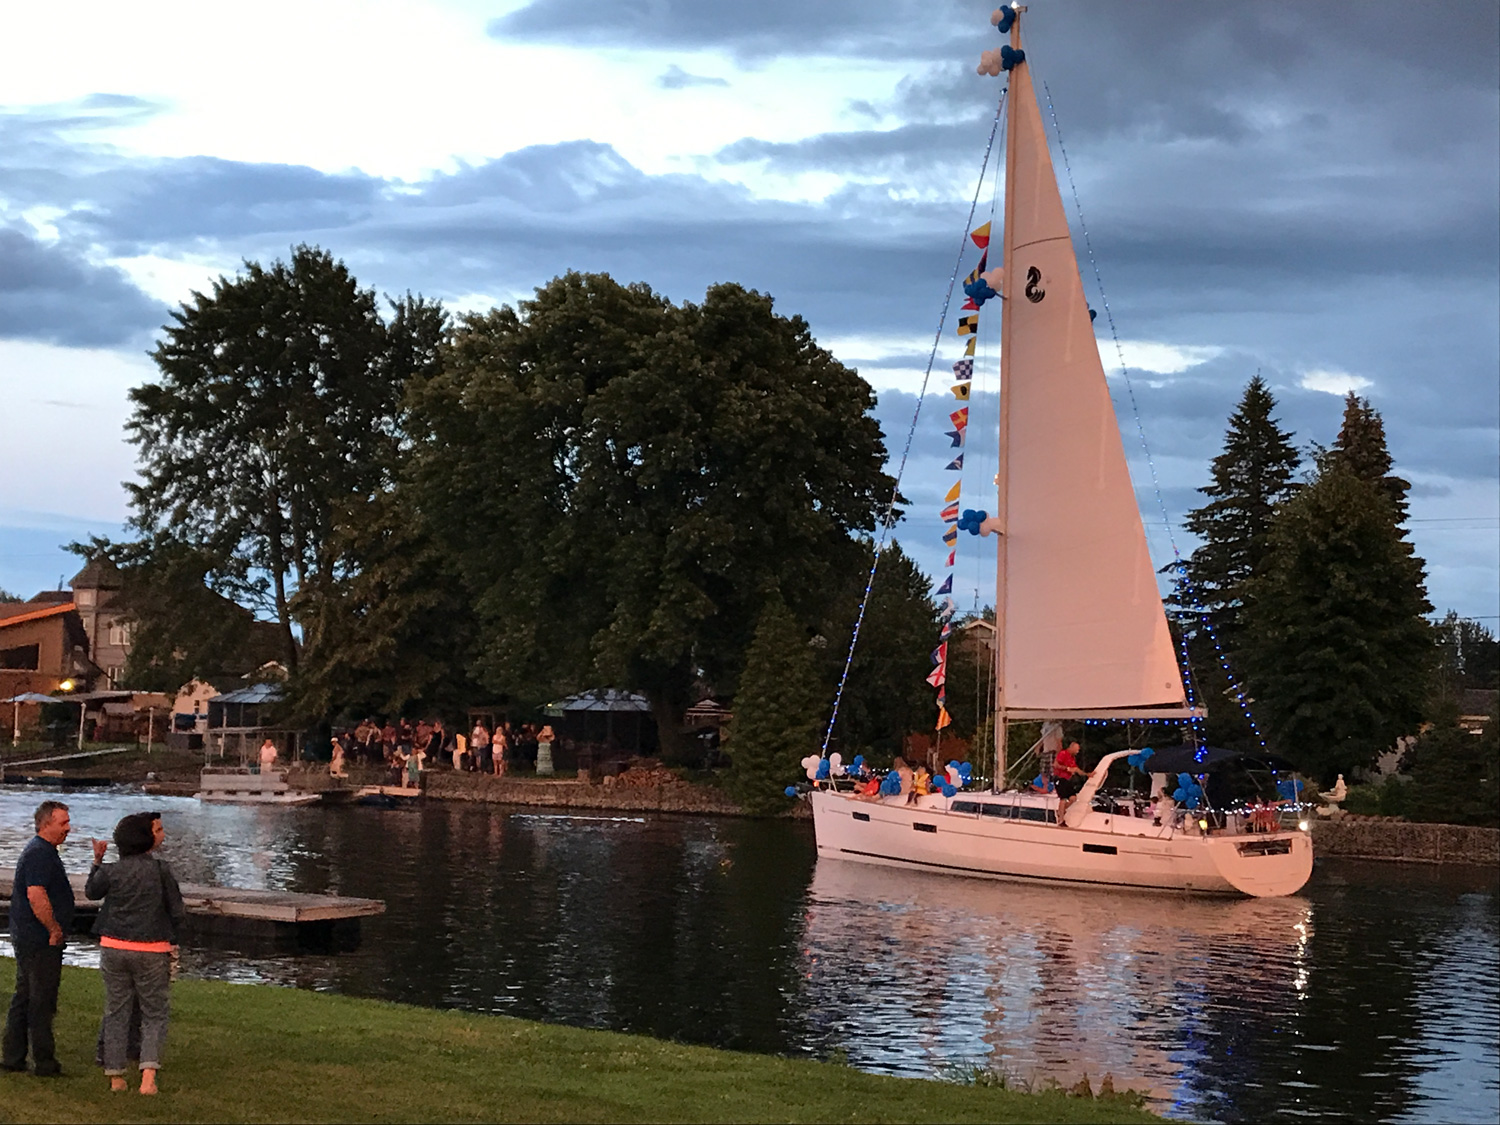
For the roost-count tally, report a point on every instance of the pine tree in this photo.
(1361, 448)
(1455, 775)
(776, 711)
(1251, 477)
(1336, 652)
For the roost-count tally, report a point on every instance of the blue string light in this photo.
(1184, 585)
(888, 521)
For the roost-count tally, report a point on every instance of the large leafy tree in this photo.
(1336, 650)
(620, 480)
(279, 399)
(1255, 472)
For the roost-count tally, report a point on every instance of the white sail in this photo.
(1083, 624)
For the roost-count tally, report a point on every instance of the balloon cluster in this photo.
(891, 785)
(857, 767)
(1188, 791)
(1289, 790)
(1138, 759)
(1003, 18)
(955, 777)
(979, 291)
(971, 519)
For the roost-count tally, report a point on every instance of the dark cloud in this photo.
(675, 78)
(52, 295)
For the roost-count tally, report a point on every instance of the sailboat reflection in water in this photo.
(1080, 628)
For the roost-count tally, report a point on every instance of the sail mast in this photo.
(1002, 474)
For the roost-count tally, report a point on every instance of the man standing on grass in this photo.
(41, 912)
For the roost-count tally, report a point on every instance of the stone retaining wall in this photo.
(675, 796)
(1375, 837)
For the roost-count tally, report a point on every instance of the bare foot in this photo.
(148, 1082)
(117, 1083)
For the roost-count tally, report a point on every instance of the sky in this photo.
(1305, 189)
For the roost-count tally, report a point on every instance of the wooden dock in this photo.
(239, 909)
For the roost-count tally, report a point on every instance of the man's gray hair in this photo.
(45, 810)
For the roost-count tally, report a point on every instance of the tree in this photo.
(1361, 448)
(1336, 652)
(1468, 656)
(1455, 775)
(886, 695)
(620, 480)
(180, 627)
(7, 596)
(279, 398)
(777, 711)
(386, 621)
(1254, 474)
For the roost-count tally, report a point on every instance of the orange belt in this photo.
(136, 946)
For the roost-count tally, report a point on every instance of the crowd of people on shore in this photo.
(406, 748)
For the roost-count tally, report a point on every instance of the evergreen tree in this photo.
(1361, 448)
(1254, 474)
(1468, 656)
(1455, 775)
(1336, 652)
(777, 711)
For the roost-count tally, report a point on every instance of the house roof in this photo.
(51, 597)
(604, 699)
(97, 574)
(1477, 702)
(255, 693)
(14, 613)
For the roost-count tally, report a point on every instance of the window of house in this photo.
(84, 597)
(24, 657)
(119, 634)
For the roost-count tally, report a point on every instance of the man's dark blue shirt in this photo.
(39, 866)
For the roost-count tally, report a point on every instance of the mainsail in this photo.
(1081, 618)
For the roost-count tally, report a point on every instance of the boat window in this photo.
(1048, 816)
(1102, 849)
(861, 816)
(997, 810)
(925, 827)
(964, 806)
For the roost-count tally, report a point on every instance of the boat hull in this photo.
(931, 838)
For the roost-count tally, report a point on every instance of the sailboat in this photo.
(1080, 630)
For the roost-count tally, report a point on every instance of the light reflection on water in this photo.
(1372, 996)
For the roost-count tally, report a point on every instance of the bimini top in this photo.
(1188, 759)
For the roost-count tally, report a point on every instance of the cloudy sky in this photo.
(1305, 188)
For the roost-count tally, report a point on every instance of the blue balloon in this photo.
(823, 768)
(790, 790)
(948, 790)
(1007, 17)
(891, 785)
(965, 770)
(1010, 57)
(859, 760)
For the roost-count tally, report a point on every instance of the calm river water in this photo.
(1370, 997)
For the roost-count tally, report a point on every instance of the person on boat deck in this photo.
(1070, 778)
(921, 782)
(267, 755)
(908, 779)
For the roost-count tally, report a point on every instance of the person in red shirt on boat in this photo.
(1069, 776)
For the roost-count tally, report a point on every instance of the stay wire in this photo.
(887, 521)
(1178, 564)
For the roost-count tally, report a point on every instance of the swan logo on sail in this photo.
(1034, 290)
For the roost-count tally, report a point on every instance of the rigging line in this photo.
(887, 522)
(1179, 565)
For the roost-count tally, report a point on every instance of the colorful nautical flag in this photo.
(943, 694)
(945, 589)
(950, 536)
(984, 264)
(946, 608)
(957, 437)
(968, 325)
(942, 719)
(969, 347)
(952, 555)
(960, 417)
(946, 632)
(957, 463)
(940, 655)
(981, 237)
(963, 370)
(961, 391)
(969, 305)
(938, 677)
(953, 493)
(950, 513)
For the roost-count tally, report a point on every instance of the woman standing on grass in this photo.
(137, 931)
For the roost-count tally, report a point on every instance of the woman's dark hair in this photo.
(133, 834)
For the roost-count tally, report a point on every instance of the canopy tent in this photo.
(590, 718)
(600, 699)
(236, 716)
(16, 701)
(1206, 759)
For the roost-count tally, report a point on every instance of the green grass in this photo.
(258, 1053)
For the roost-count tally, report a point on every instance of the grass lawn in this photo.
(258, 1053)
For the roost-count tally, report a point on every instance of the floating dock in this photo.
(308, 919)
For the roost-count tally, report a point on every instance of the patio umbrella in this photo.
(17, 700)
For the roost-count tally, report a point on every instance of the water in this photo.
(1371, 996)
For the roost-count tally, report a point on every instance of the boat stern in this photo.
(1264, 866)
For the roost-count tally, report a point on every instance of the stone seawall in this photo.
(1374, 837)
(666, 794)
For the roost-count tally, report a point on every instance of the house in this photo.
(75, 635)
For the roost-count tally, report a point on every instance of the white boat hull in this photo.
(241, 786)
(1105, 850)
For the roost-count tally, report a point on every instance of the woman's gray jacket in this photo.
(142, 901)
